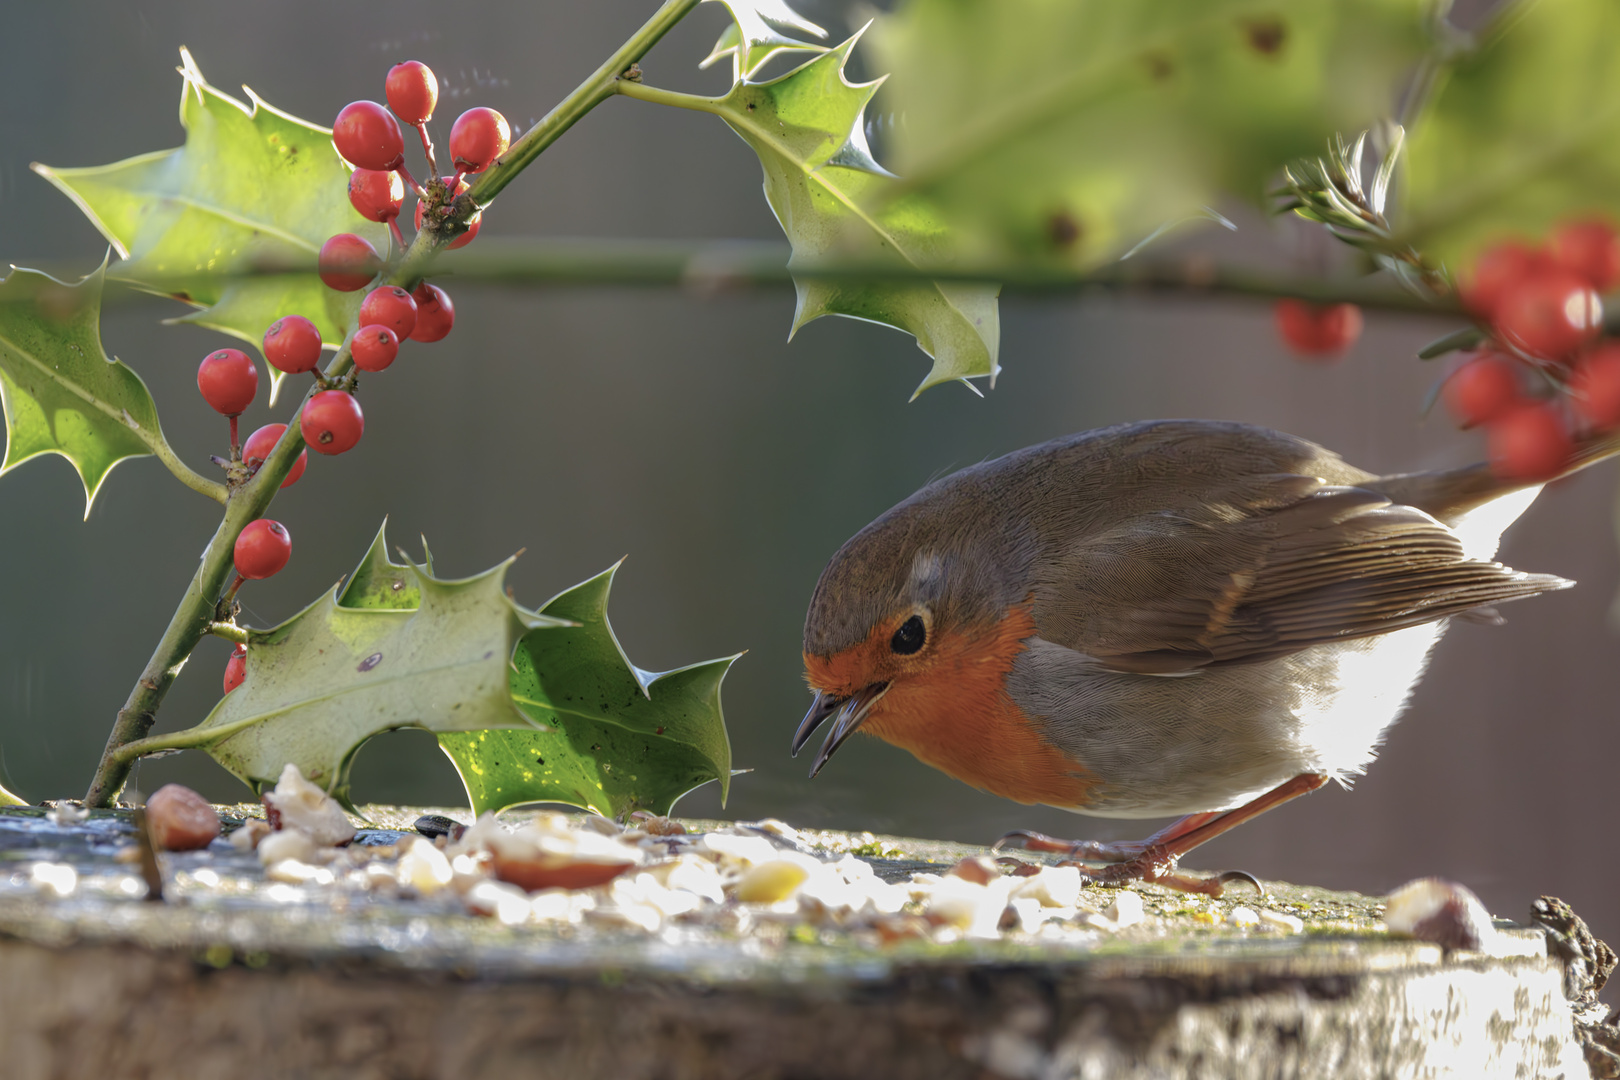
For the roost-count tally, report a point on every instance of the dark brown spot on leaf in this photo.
(1063, 230)
(1159, 66)
(1266, 35)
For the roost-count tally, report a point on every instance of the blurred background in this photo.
(683, 430)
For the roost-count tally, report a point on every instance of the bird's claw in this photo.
(1229, 876)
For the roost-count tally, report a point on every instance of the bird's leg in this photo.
(1158, 862)
(1108, 851)
(1158, 855)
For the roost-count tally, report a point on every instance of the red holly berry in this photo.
(258, 447)
(1590, 250)
(292, 344)
(1318, 330)
(389, 306)
(475, 223)
(435, 314)
(368, 137)
(374, 348)
(412, 91)
(1498, 271)
(228, 381)
(236, 668)
(1530, 442)
(332, 422)
(1596, 386)
(376, 195)
(478, 137)
(348, 262)
(1549, 315)
(262, 549)
(1482, 389)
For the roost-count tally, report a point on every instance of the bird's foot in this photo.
(1077, 851)
(1158, 865)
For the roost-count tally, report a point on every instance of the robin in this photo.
(1180, 617)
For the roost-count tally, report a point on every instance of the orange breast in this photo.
(955, 714)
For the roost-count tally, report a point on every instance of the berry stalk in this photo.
(195, 615)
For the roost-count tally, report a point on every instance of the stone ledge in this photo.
(101, 985)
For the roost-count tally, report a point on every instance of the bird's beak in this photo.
(848, 714)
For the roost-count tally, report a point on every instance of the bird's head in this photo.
(902, 613)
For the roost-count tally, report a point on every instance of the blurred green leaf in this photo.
(1519, 134)
(1070, 130)
(331, 677)
(253, 190)
(821, 180)
(61, 395)
(761, 30)
(8, 799)
(618, 738)
(1466, 338)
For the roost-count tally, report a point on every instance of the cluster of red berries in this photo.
(1542, 308)
(369, 139)
(1317, 331)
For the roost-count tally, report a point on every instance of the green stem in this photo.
(731, 264)
(189, 739)
(228, 631)
(185, 473)
(194, 615)
(602, 84)
(673, 98)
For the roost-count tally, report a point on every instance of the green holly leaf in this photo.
(333, 676)
(821, 179)
(232, 221)
(1067, 131)
(60, 392)
(760, 30)
(1519, 134)
(614, 738)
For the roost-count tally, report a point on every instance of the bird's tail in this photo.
(1450, 494)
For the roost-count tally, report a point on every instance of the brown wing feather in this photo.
(1170, 592)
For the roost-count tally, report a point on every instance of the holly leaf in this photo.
(613, 738)
(760, 31)
(8, 799)
(1519, 134)
(232, 221)
(808, 129)
(60, 392)
(1067, 132)
(333, 676)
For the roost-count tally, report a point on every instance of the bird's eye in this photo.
(910, 637)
